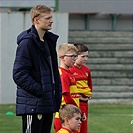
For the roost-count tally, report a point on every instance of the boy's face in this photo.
(70, 58)
(82, 58)
(74, 123)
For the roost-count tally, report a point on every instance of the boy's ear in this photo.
(62, 57)
(66, 119)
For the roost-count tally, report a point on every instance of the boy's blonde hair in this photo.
(65, 48)
(38, 10)
(68, 110)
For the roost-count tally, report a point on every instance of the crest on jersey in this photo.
(39, 116)
(86, 74)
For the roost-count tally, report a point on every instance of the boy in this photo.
(83, 79)
(67, 54)
(70, 117)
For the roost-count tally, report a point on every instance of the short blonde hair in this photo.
(68, 110)
(38, 10)
(65, 48)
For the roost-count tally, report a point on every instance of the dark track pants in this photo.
(37, 123)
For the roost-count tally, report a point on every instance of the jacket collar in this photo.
(48, 35)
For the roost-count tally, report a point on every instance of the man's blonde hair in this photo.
(65, 48)
(68, 110)
(38, 10)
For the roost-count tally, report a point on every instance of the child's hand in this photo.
(83, 117)
(89, 97)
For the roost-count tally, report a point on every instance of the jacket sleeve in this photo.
(22, 70)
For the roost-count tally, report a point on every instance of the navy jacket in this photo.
(38, 87)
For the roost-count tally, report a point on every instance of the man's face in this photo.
(45, 21)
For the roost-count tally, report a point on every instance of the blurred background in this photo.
(104, 26)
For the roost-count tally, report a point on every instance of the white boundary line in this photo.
(110, 114)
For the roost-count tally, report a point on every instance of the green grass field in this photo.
(103, 118)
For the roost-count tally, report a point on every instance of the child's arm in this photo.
(68, 99)
(90, 81)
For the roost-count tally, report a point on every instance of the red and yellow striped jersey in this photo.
(83, 80)
(64, 130)
(68, 87)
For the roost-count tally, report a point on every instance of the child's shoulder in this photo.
(86, 67)
(79, 68)
(64, 72)
(64, 130)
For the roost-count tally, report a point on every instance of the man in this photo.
(35, 73)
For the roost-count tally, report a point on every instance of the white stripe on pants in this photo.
(29, 121)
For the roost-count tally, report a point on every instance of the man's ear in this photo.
(36, 20)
